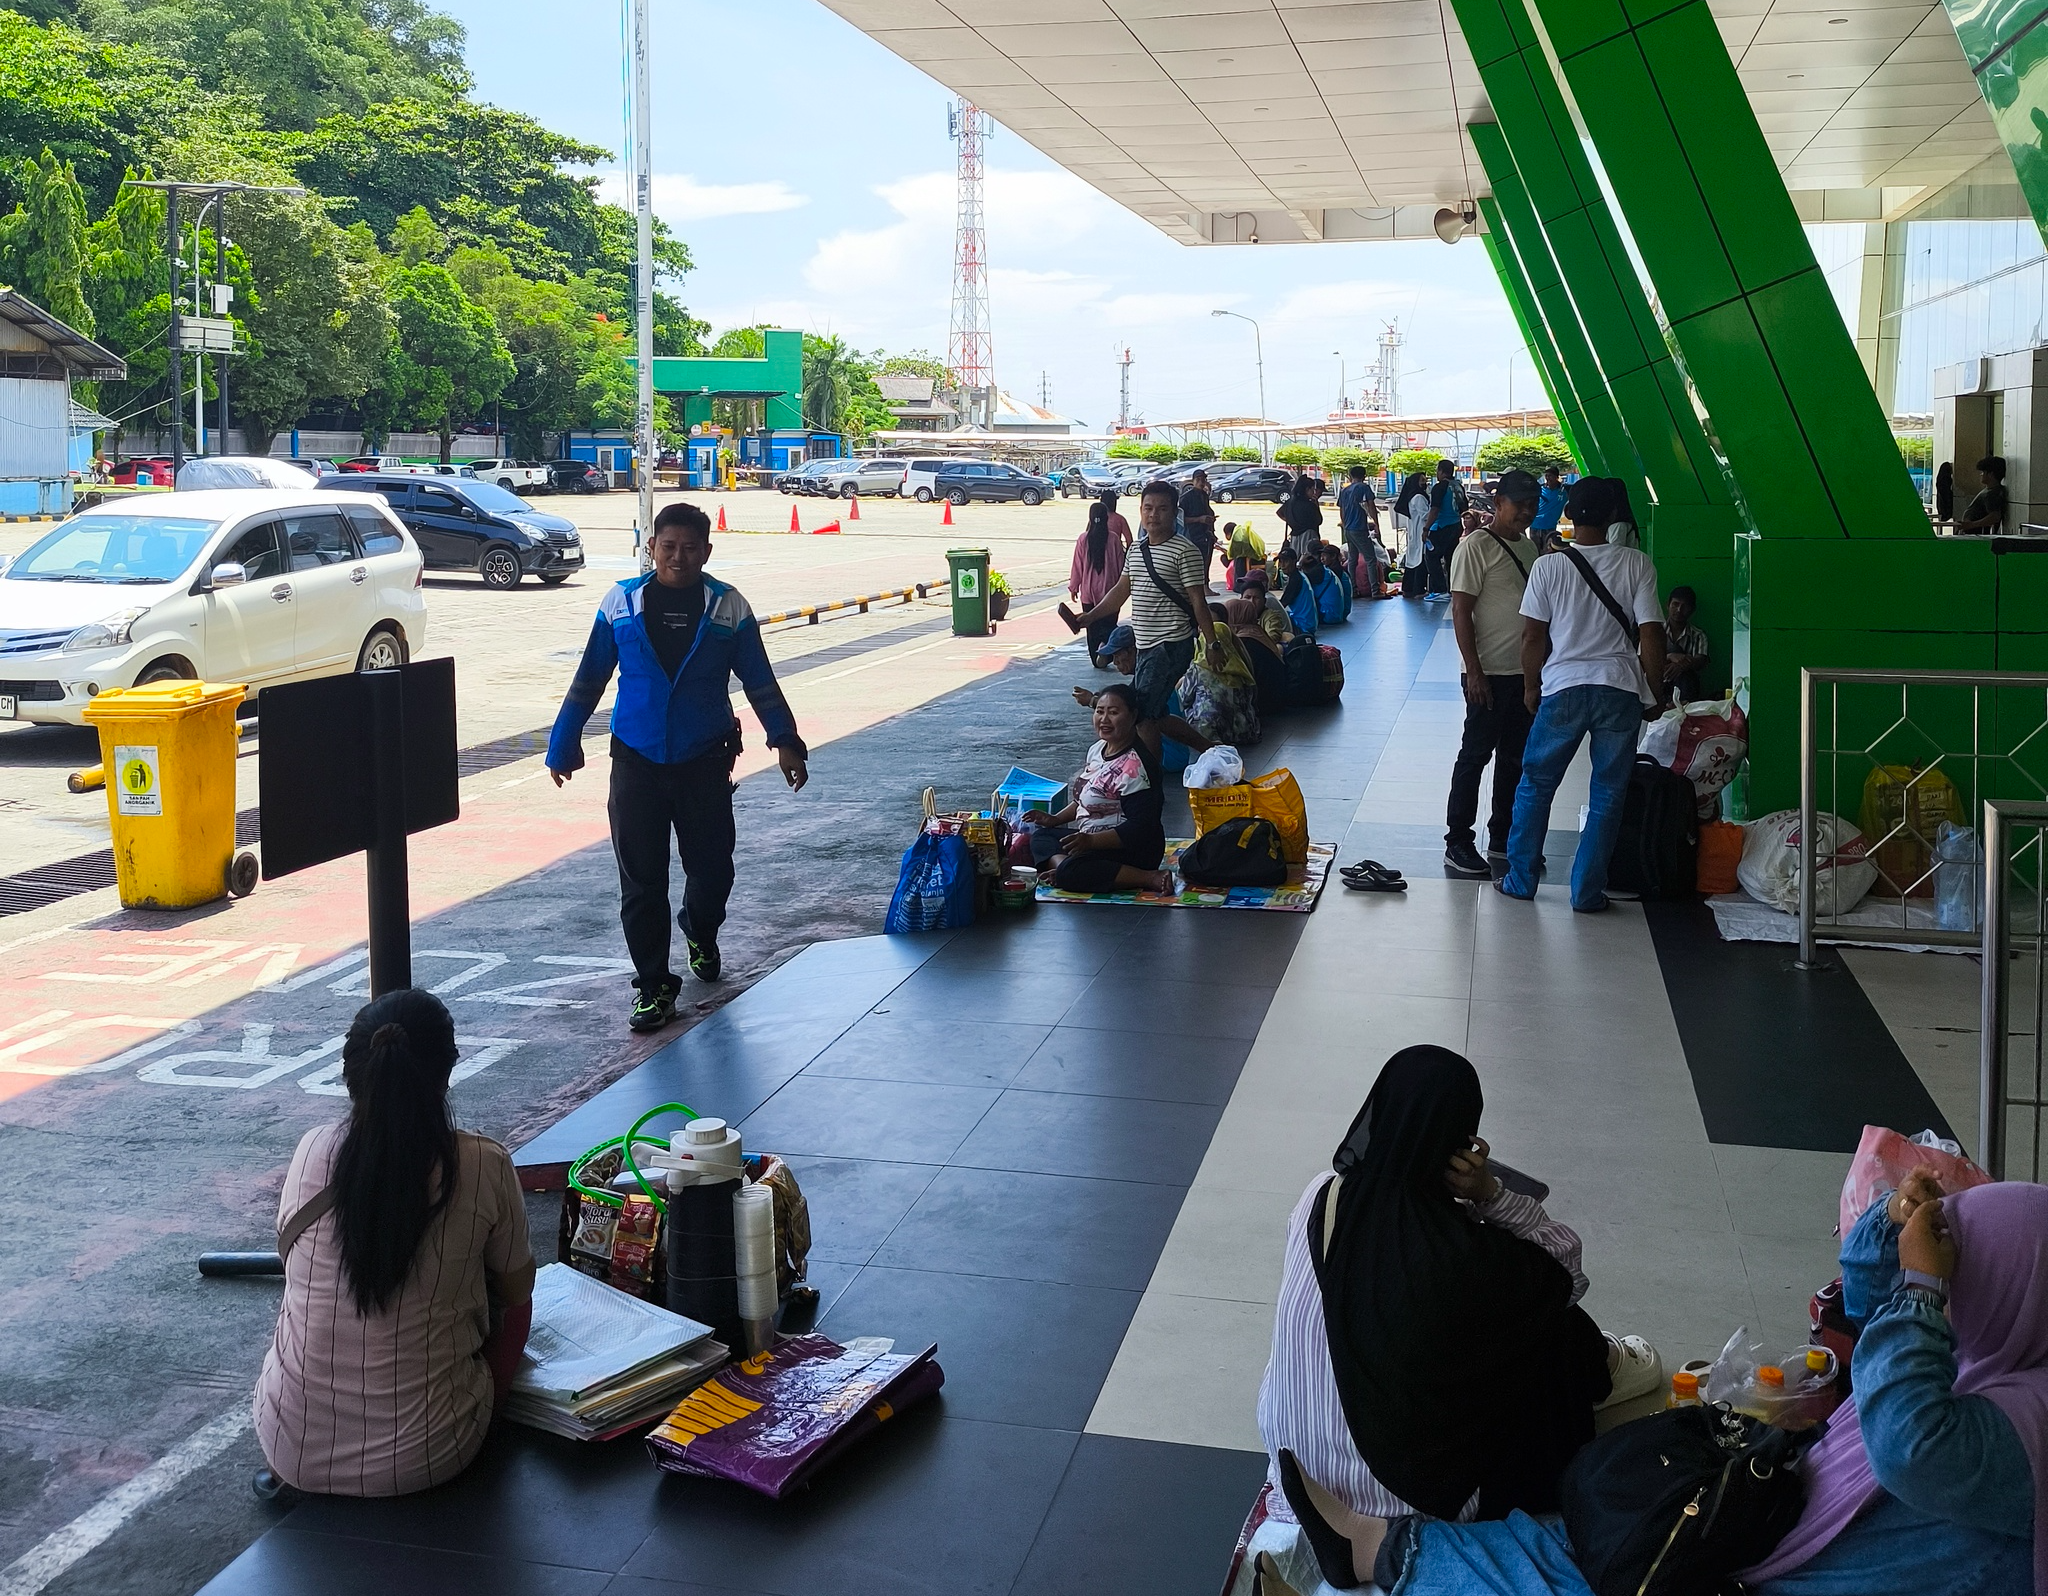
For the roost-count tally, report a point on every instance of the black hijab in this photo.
(1439, 1325)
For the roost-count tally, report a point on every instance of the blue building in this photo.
(40, 441)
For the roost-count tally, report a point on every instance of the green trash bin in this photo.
(970, 591)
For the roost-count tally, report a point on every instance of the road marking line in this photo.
(60, 1549)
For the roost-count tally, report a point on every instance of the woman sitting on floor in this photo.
(1931, 1481)
(1429, 1355)
(408, 1279)
(1110, 838)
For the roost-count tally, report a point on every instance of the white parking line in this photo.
(58, 1550)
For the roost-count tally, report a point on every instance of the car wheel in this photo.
(957, 497)
(849, 491)
(1225, 497)
(173, 669)
(498, 565)
(1032, 496)
(922, 495)
(383, 650)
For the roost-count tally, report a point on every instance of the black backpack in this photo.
(1673, 1504)
(1238, 853)
(1306, 681)
(1657, 850)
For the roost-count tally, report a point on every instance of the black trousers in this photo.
(1496, 731)
(1437, 549)
(1099, 630)
(648, 802)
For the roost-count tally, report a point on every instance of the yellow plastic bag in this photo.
(1276, 796)
(1214, 805)
(1913, 802)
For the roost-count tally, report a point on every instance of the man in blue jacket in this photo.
(676, 637)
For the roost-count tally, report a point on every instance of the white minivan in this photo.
(233, 585)
(919, 474)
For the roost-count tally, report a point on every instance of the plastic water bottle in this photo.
(1685, 1390)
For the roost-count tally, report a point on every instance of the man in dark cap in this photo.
(1489, 572)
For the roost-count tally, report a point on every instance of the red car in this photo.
(158, 469)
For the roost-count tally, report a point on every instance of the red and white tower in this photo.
(969, 347)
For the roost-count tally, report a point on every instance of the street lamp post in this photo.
(1259, 355)
(1511, 377)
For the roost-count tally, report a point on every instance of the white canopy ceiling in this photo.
(1241, 121)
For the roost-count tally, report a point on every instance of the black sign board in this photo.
(353, 764)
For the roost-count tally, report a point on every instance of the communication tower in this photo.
(969, 346)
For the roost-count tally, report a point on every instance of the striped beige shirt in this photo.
(401, 1400)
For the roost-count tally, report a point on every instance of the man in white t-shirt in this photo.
(1585, 673)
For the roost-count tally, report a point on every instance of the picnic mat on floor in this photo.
(1741, 918)
(1296, 897)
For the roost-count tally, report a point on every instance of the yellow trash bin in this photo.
(169, 754)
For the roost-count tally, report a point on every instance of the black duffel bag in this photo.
(1246, 852)
(1674, 1504)
(1657, 848)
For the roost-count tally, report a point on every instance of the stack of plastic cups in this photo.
(753, 1229)
(702, 1282)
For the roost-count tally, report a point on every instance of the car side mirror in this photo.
(229, 573)
(468, 512)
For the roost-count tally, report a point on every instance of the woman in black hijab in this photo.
(1466, 1374)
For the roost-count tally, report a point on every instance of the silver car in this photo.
(866, 479)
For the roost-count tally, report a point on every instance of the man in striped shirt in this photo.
(1166, 581)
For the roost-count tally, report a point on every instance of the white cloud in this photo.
(679, 197)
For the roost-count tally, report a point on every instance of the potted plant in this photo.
(998, 596)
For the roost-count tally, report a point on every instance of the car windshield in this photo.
(115, 548)
(489, 496)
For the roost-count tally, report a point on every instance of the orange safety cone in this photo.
(820, 531)
(947, 518)
(853, 509)
(794, 524)
(721, 518)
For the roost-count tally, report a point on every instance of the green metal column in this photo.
(1534, 133)
(1571, 420)
(1605, 429)
(1757, 329)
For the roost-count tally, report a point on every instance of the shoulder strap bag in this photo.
(1629, 628)
(1508, 549)
(315, 1209)
(1158, 581)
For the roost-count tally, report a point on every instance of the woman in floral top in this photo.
(1110, 837)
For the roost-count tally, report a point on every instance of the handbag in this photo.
(1244, 852)
(935, 883)
(1673, 1504)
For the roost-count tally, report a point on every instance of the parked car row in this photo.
(475, 526)
(521, 476)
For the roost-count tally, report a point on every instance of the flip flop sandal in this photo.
(1376, 879)
(1366, 867)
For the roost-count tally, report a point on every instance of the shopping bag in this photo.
(1276, 796)
(774, 1421)
(934, 887)
(1769, 871)
(1211, 806)
(1884, 1159)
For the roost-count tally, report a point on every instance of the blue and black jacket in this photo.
(663, 719)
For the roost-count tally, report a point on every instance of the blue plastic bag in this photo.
(935, 887)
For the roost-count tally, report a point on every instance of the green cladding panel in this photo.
(1790, 406)
(778, 371)
(2007, 48)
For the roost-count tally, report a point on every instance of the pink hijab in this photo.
(1998, 1305)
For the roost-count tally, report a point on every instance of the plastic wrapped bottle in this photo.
(1685, 1390)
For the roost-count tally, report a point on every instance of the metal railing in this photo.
(1920, 748)
(2015, 954)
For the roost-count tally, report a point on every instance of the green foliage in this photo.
(447, 361)
(1528, 451)
(1194, 450)
(1159, 453)
(741, 343)
(415, 238)
(1297, 455)
(1338, 462)
(1406, 462)
(828, 380)
(1125, 449)
(1917, 452)
(42, 245)
(1238, 451)
(998, 583)
(916, 364)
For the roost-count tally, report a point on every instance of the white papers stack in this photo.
(599, 1363)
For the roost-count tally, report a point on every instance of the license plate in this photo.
(572, 556)
(6, 706)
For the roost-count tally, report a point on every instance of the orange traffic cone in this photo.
(820, 531)
(794, 524)
(853, 509)
(947, 518)
(721, 518)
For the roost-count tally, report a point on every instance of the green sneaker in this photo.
(704, 962)
(651, 1013)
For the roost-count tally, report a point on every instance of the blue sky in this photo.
(810, 171)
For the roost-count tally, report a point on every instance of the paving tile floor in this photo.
(1063, 1145)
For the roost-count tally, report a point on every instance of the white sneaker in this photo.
(1637, 1367)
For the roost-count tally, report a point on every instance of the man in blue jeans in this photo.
(1592, 642)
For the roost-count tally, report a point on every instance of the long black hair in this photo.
(1098, 534)
(397, 1165)
(1414, 483)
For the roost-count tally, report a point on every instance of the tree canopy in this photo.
(1530, 451)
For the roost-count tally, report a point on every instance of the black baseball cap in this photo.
(1518, 485)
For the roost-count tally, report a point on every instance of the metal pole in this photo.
(198, 359)
(177, 355)
(1993, 1015)
(1259, 354)
(1809, 948)
(390, 895)
(643, 184)
(220, 260)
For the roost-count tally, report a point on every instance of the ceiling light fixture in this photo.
(1225, 60)
(1794, 77)
(1836, 22)
(1262, 108)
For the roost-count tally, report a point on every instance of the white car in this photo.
(919, 474)
(521, 476)
(866, 479)
(247, 585)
